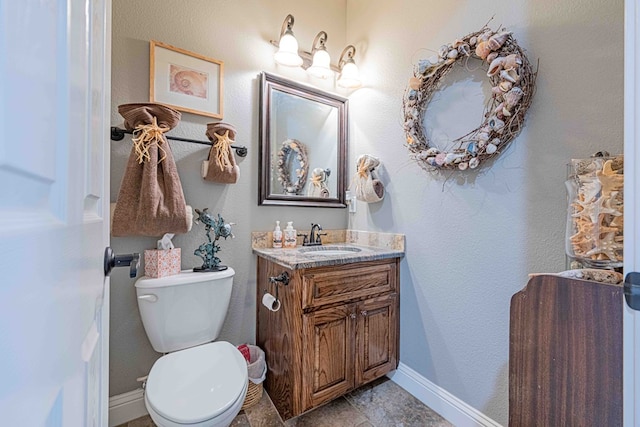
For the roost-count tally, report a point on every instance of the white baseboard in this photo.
(126, 407)
(444, 403)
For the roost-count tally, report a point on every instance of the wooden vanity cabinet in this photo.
(337, 329)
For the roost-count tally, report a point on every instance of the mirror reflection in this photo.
(303, 144)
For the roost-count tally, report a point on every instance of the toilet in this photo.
(199, 381)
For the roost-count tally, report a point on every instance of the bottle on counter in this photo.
(290, 236)
(277, 236)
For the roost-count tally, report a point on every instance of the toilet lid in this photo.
(198, 383)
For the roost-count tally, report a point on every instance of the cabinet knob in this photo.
(353, 315)
(363, 312)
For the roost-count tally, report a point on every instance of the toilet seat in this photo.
(197, 384)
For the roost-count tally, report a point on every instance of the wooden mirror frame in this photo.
(269, 83)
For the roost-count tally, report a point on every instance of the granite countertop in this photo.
(297, 259)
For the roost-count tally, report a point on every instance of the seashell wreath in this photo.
(513, 85)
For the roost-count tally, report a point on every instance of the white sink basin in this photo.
(328, 250)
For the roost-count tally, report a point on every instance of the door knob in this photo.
(632, 290)
(112, 260)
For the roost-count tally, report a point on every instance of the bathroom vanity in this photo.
(337, 325)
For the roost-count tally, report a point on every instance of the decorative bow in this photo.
(145, 135)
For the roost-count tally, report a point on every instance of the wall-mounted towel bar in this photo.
(117, 134)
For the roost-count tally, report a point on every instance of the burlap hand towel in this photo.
(367, 187)
(221, 165)
(150, 201)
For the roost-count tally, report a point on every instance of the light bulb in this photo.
(349, 76)
(287, 53)
(321, 66)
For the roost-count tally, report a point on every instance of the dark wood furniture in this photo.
(565, 354)
(336, 330)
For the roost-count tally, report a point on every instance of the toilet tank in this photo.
(184, 310)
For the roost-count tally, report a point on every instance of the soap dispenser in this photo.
(277, 236)
(290, 236)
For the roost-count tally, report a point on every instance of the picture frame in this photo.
(186, 81)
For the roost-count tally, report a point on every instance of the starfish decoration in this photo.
(590, 188)
(618, 222)
(587, 210)
(607, 246)
(616, 209)
(610, 183)
(607, 168)
(594, 210)
(222, 146)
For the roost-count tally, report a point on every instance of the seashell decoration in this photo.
(497, 40)
(451, 157)
(464, 49)
(483, 136)
(505, 86)
(496, 66)
(496, 124)
(492, 56)
(424, 65)
(483, 50)
(511, 80)
(415, 83)
(496, 91)
(510, 75)
(512, 97)
(484, 37)
(472, 148)
(512, 62)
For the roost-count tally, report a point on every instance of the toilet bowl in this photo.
(196, 387)
(199, 381)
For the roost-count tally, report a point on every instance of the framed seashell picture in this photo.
(185, 80)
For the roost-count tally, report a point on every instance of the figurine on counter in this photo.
(207, 251)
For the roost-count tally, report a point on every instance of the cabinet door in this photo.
(377, 338)
(328, 360)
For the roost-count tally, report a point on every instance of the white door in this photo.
(54, 299)
(632, 208)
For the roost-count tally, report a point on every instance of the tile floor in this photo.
(379, 404)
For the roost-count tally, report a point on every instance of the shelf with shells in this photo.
(594, 235)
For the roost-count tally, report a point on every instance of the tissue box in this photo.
(161, 263)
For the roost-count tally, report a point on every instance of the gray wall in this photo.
(237, 33)
(471, 243)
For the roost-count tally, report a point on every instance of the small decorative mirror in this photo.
(303, 145)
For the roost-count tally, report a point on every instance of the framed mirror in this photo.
(303, 144)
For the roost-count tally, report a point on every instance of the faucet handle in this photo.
(304, 238)
(319, 237)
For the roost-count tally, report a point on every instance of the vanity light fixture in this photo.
(349, 75)
(287, 53)
(317, 62)
(321, 63)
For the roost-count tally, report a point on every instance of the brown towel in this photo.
(221, 164)
(150, 201)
